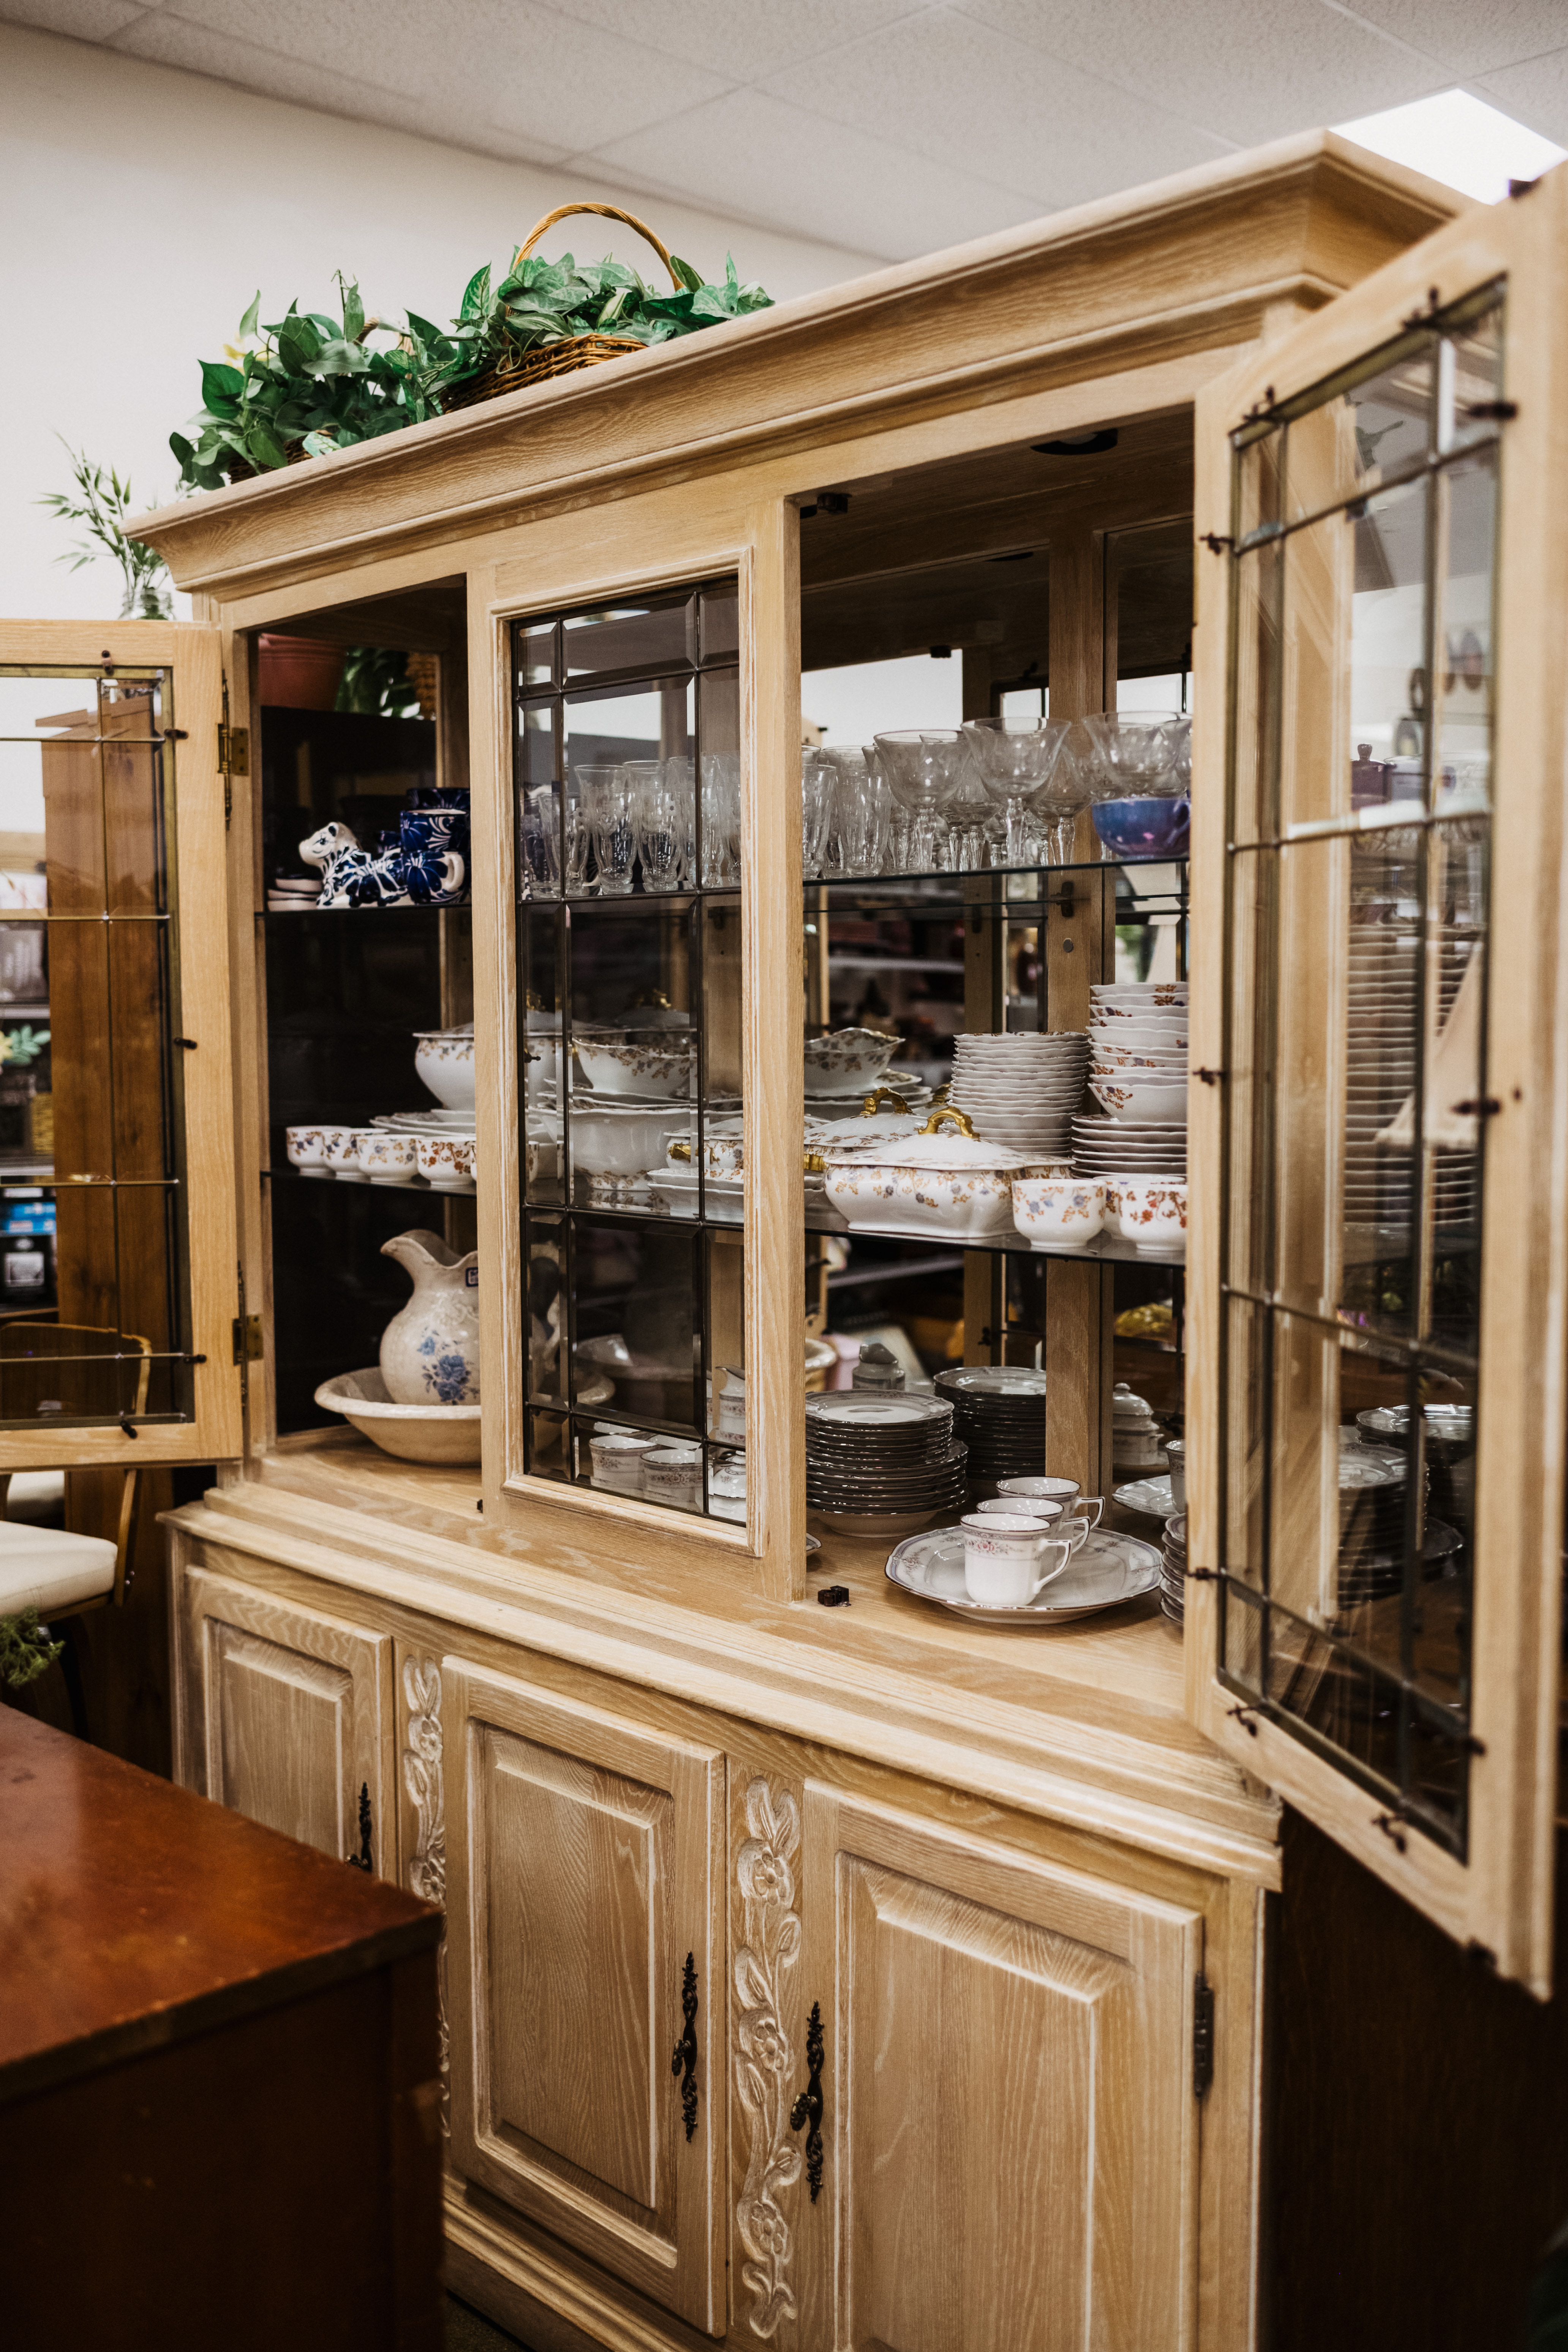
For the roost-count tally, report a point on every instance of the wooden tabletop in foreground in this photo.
(133, 1913)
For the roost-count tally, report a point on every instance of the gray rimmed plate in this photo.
(1108, 1570)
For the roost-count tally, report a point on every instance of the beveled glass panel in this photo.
(1256, 692)
(544, 1277)
(1470, 380)
(1464, 684)
(536, 655)
(641, 634)
(1391, 418)
(720, 624)
(637, 1310)
(89, 1085)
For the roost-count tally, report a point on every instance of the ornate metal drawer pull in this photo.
(361, 1860)
(685, 2057)
(808, 2108)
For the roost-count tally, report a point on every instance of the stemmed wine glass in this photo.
(1017, 761)
(818, 778)
(922, 766)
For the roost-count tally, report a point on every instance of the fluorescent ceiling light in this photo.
(1459, 140)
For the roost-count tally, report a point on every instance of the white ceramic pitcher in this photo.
(430, 1352)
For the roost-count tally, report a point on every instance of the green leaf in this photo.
(182, 448)
(689, 277)
(248, 324)
(219, 383)
(476, 295)
(353, 309)
(262, 449)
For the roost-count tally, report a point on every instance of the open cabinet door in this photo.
(1380, 1119)
(117, 1173)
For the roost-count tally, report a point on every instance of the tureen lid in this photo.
(932, 1148)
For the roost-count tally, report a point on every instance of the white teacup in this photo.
(1022, 1506)
(618, 1457)
(730, 1411)
(673, 1474)
(1062, 1491)
(1008, 1560)
(1176, 1463)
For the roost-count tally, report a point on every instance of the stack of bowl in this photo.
(999, 1411)
(1020, 1088)
(881, 1465)
(1174, 1568)
(1138, 1073)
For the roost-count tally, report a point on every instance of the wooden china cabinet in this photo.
(853, 1974)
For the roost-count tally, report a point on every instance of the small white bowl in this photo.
(1153, 1213)
(446, 1162)
(444, 1059)
(387, 1157)
(341, 1153)
(645, 1068)
(1058, 1211)
(1157, 1105)
(307, 1149)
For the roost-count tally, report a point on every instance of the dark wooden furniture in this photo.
(219, 2117)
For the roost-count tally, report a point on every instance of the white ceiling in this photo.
(874, 124)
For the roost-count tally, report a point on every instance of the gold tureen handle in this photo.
(959, 1119)
(873, 1103)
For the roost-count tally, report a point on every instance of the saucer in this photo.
(1153, 1496)
(1107, 1570)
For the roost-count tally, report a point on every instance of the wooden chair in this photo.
(55, 1570)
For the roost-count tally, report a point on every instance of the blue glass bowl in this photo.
(1156, 827)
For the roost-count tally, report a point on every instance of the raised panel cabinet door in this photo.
(586, 1978)
(1009, 2134)
(289, 1717)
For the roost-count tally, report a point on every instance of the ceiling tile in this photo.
(1245, 70)
(1469, 39)
(751, 156)
(507, 65)
(743, 39)
(932, 85)
(1536, 93)
(167, 39)
(81, 20)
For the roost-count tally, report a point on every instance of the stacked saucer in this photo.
(1138, 1073)
(1384, 1006)
(881, 1464)
(294, 893)
(1174, 1569)
(1372, 1521)
(1021, 1087)
(999, 1411)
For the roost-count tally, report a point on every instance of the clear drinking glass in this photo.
(817, 778)
(922, 766)
(540, 843)
(1016, 760)
(1132, 755)
(663, 825)
(607, 805)
(721, 820)
(857, 832)
(894, 824)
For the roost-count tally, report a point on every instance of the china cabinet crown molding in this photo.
(1191, 264)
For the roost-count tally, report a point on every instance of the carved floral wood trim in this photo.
(764, 2063)
(425, 1781)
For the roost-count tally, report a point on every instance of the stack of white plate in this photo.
(1020, 1088)
(1138, 1075)
(1385, 1019)
(294, 893)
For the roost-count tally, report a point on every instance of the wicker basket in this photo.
(575, 350)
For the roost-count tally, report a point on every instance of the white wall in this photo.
(143, 207)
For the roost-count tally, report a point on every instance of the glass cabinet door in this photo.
(630, 941)
(1377, 1513)
(117, 1207)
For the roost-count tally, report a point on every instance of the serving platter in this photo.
(1108, 1572)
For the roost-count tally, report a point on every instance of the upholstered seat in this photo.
(47, 1569)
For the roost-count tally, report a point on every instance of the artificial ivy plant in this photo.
(311, 383)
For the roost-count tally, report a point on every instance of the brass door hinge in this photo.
(248, 1343)
(234, 751)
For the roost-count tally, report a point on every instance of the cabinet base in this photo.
(534, 2287)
